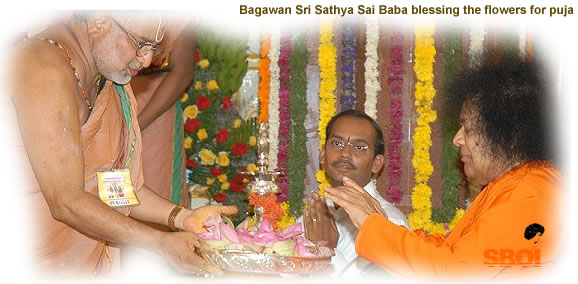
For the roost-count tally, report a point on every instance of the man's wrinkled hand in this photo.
(192, 220)
(355, 200)
(319, 222)
(179, 249)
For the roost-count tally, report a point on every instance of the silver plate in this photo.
(248, 261)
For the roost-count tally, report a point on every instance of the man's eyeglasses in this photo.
(142, 48)
(338, 144)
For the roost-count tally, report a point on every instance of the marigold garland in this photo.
(425, 92)
(327, 57)
(273, 211)
(265, 78)
(327, 64)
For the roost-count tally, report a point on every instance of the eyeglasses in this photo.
(338, 144)
(142, 48)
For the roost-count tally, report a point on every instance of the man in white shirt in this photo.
(353, 148)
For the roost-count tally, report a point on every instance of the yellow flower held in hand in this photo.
(212, 85)
(188, 142)
(207, 157)
(204, 63)
(223, 159)
(202, 134)
(191, 111)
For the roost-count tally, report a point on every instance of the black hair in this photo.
(379, 143)
(532, 230)
(510, 105)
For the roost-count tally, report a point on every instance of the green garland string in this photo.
(451, 173)
(297, 139)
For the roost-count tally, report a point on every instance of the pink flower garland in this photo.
(284, 115)
(394, 130)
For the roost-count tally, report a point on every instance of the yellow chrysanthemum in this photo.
(236, 123)
(287, 220)
(204, 63)
(225, 185)
(322, 179)
(191, 111)
(223, 159)
(188, 142)
(184, 97)
(207, 157)
(252, 140)
(222, 178)
(198, 85)
(210, 181)
(252, 167)
(202, 134)
(212, 85)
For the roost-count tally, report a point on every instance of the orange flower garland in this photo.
(273, 210)
(265, 78)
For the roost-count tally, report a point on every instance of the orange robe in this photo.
(106, 143)
(489, 237)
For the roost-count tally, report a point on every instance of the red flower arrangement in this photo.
(192, 124)
(220, 197)
(239, 149)
(191, 164)
(222, 136)
(216, 172)
(203, 102)
(227, 104)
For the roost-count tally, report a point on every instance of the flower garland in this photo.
(265, 79)
(348, 67)
(476, 50)
(327, 62)
(394, 129)
(298, 107)
(327, 57)
(372, 86)
(425, 92)
(274, 99)
(284, 116)
(450, 171)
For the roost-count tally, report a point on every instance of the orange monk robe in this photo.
(496, 220)
(106, 144)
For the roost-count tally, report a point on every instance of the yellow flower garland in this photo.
(327, 57)
(425, 92)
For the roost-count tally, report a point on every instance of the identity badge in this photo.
(115, 188)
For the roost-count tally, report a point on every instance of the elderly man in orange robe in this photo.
(82, 142)
(512, 228)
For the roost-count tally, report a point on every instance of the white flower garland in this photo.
(274, 98)
(372, 86)
(476, 50)
(522, 43)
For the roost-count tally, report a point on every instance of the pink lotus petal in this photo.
(265, 226)
(208, 236)
(228, 233)
(293, 231)
(302, 250)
